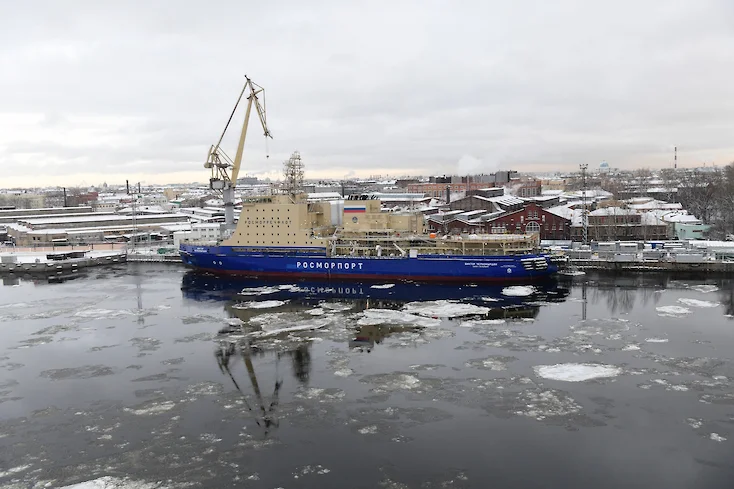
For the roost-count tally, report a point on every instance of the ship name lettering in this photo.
(328, 266)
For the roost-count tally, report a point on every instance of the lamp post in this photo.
(584, 211)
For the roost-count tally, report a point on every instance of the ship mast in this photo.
(225, 170)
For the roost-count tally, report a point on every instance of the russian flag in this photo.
(351, 209)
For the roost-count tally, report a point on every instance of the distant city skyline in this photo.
(140, 91)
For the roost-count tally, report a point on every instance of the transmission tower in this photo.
(293, 173)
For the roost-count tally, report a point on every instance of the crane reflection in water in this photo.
(263, 410)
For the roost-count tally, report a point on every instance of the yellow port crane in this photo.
(225, 170)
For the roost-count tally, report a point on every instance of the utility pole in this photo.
(584, 211)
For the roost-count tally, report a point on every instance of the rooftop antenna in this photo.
(675, 158)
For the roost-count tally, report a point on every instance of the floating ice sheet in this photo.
(697, 303)
(482, 322)
(336, 306)
(672, 311)
(383, 286)
(518, 291)
(376, 317)
(656, 340)
(102, 313)
(260, 290)
(444, 309)
(705, 288)
(115, 483)
(303, 326)
(576, 372)
(260, 304)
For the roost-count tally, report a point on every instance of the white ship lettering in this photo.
(328, 265)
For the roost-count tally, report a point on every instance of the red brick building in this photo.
(532, 218)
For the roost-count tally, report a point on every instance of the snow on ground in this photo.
(697, 303)
(518, 291)
(259, 304)
(672, 311)
(383, 286)
(443, 309)
(572, 273)
(31, 257)
(576, 372)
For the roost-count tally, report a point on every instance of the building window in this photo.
(532, 227)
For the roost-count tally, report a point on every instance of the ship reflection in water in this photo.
(243, 297)
(278, 319)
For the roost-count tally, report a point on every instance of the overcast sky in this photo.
(107, 91)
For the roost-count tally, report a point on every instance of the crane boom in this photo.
(225, 170)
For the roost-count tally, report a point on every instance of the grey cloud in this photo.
(412, 85)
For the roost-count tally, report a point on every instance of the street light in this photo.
(584, 215)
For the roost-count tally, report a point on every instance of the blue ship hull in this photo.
(315, 265)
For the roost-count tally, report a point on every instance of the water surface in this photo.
(151, 376)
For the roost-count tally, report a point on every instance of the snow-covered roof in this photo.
(565, 211)
(613, 211)
(508, 200)
(681, 218)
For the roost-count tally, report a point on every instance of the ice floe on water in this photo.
(672, 311)
(717, 437)
(697, 303)
(368, 430)
(14, 470)
(518, 291)
(656, 340)
(496, 363)
(444, 309)
(93, 313)
(694, 423)
(376, 317)
(264, 290)
(320, 395)
(631, 347)
(151, 408)
(260, 304)
(336, 306)
(383, 286)
(547, 403)
(108, 482)
(704, 288)
(576, 372)
(278, 329)
(482, 322)
(344, 372)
